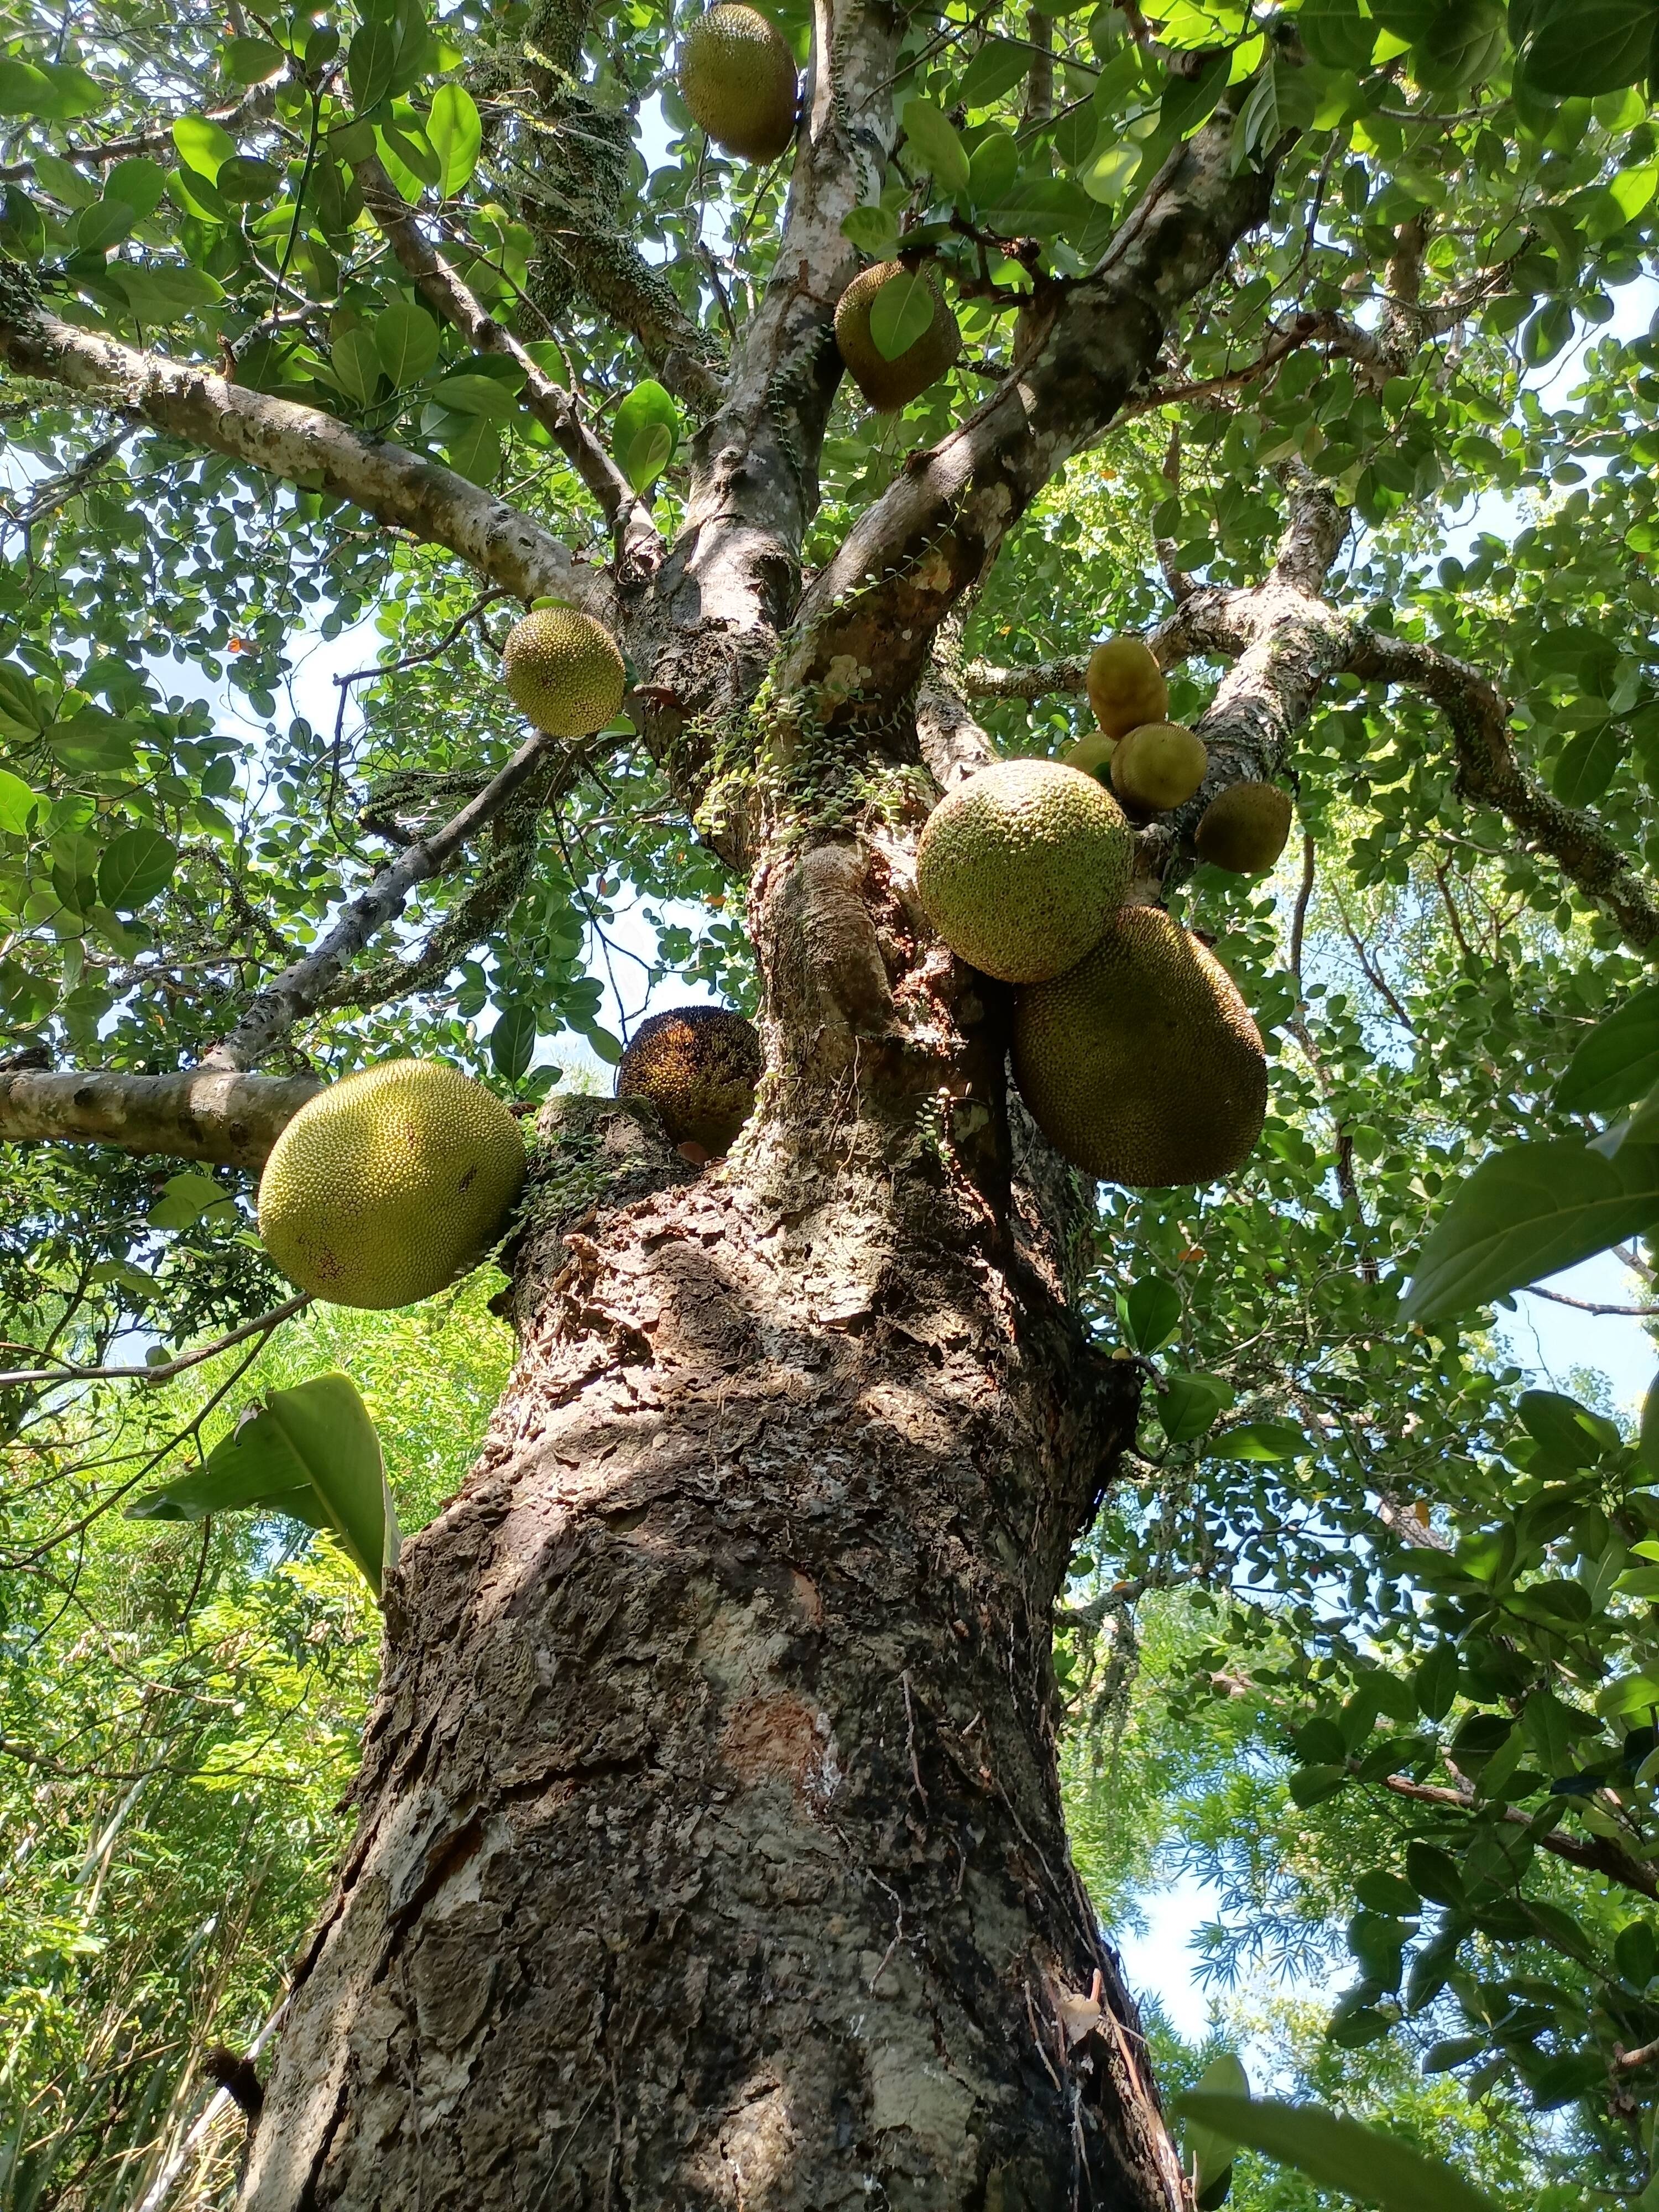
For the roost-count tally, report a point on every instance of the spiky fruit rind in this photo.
(736, 76)
(1092, 755)
(887, 386)
(564, 671)
(1244, 828)
(1158, 766)
(390, 1183)
(1126, 686)
(1141, 1065)
(1020, 868)
(699, 1067)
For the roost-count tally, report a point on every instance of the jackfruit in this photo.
(890, 385)
(1093, 755)
(1126, 686)
(1141, 1064)
(736, 76)
(564, 671)
(1244, 828)
(699, 1067)
(1020, 868)
(1158, 766)
(389, 1184)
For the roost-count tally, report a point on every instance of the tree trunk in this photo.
(711, 1849)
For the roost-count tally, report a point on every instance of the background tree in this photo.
(710, 1844)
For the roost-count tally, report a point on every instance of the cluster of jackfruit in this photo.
(1132, 1046)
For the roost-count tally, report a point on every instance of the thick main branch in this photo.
(201, 1115)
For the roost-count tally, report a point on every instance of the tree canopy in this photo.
(1311, 343)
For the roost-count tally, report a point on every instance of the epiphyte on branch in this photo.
(698, 1066)
(1244, 828)
(564, 670)
(1158, 766)
(1126, 686)
(890, 385)
(737, 77)
(387, 1185)
(1142, 1064)
(1020, 868)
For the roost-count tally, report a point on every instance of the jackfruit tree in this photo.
(514, 515)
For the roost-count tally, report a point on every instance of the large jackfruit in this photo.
(890, 385)
(564, 671)
(698, 1066)
(1141, 1064)
(737, 77)
(1244, 828)
(1158, 766)
(1019, 868)
(1126, 686)
(389, 1184)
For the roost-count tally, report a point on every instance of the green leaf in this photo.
(17, 803)
(648, 456)
(901, 313)
(1647, 1447)
(1210, 2154)
(475, 451)
(1571, 1435)
(1588, 761)
(136, 867)
(1150, 1312)
(512, 1040)
(475, 395)
(138, 181)
(1109, 170)
(1337, 2153)
(994, 166)
(102, 225)
(202, 146)
(371, 64)
(1435, 1682)
(1618, 1061)
(251, 61)
(185, 1199)
(1526, 1214)
(55, 92)
(245, 179)
(1188, 1405)
(1336, 34)
(455, 133)
(873, 230)
(1311, 1785)
(1587, 47)
(605, 1047)
(406, 340)
(996, 69)
(1263, 1441)
(23, 226)
(937, 147)
(311, 1452)
(355, 360)
(161, 295)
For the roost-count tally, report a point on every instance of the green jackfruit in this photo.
(1158, 766)
(890, 385)
(386, 1186)
(737, 77)
(1244, 828)
(564, 671)
(1019, 868)
(1093, 755)
(1141, 1064)
(1126, 686)
(698, 1066)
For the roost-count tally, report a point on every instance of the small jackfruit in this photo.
(890, 385)
(564, 671)
(736, 76)
(387, 1185)
(1141, 1064)
(1019, 868)
(698, 1066)
(1126, 686)
(1244, 828)
(1158, 766)
(1092, 755)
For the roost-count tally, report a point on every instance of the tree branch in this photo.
(300, 445)
(65, 1370)
(200, 1114)
(985, 679)
(1598, 1855)
(305, 986)
(638, 543)
(255, 106)
(938, 526)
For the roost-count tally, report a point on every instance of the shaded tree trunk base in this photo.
(711, 1849)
